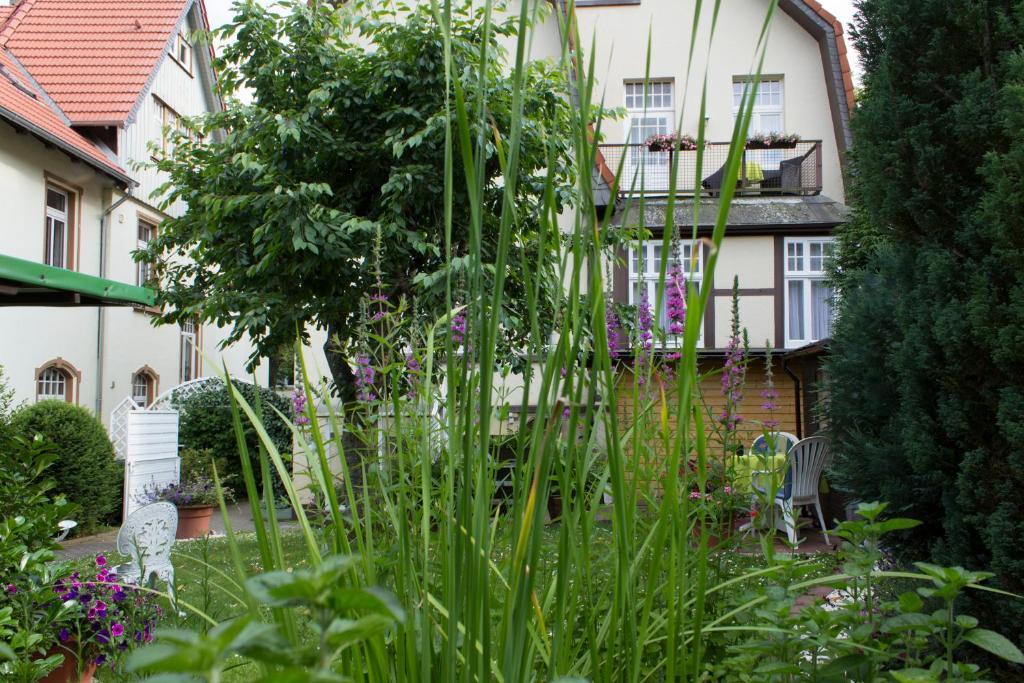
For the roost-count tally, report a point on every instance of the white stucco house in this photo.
(87, 91)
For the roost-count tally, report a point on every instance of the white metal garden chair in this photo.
(806, 462)
(147, 537)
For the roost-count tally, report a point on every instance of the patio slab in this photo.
(106, 542)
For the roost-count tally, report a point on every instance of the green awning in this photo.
(26, 283)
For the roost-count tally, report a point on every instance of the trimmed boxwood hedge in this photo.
(85, 471)
(205, 423)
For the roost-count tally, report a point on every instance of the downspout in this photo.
(100, 317)
(799, 409)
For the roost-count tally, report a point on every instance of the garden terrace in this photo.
(791, 170)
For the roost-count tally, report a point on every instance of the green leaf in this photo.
(914, 676)
(997, 644)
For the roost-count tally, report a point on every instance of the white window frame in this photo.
(185, 62)
(769, 102)
(144, 381)
(54, 383)
(799, 268)
(56, 250)
(652, 99)
(143, 271)
(644, 266)
(188, 356)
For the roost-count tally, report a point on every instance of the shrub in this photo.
(205, 424)
(7, 404)
(85, 470)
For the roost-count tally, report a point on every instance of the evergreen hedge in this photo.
(205, 423)
(85, 470)
(927, 366)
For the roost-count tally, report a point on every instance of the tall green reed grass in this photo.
(470, 589)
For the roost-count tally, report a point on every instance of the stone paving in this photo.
(106, 542)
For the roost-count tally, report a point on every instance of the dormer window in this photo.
(183, 52)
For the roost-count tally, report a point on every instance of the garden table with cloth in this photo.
(746, 465)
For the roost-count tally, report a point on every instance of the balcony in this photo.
(779, 171)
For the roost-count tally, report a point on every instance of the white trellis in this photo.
(146, 439)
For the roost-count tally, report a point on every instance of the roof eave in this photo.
(21, 122)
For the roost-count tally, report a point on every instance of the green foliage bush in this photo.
(85, 470)
(205, 424)
(927, 396)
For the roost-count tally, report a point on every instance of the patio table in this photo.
(746, 465)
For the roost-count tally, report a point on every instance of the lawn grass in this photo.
(207, 584)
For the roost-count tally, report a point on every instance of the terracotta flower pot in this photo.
(194, 521)
(67, 672)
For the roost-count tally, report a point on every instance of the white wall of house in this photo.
(32, 337)
(620, 34)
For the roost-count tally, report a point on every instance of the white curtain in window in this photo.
(796, 309)
(821, 302)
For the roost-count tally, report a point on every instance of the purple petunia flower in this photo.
(11, 589)
(100, 560)
(116, 629)
(63, 635)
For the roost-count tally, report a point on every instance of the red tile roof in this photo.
(25, 106)
(93, 57)
(844, 59)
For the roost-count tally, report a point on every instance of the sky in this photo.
(219, 12)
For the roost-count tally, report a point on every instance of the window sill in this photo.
(184, 68)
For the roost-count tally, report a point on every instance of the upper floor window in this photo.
(55, 381)
(645, 270)
(649, 107)
(809, 296)
(58, 234)
(189, 351)
(144, 271)
(183, 52)
(767, 116)
(169, 123)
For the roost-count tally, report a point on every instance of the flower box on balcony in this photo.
(773, 141)
(669, 142)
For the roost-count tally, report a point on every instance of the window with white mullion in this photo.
(52, 385)
(143, 270)
(809, 297)
(650, 109)
(189, 351)
(56, 227)
(645, 260)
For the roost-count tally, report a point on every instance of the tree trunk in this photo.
(345, 390)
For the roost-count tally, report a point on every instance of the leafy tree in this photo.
(927, 395)
(330, 183)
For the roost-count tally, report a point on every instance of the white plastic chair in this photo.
(807, 460)
(147, 537)
(786, 439)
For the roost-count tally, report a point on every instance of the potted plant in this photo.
(99, 622)
(772, 141)
(195, 496)
(668, 142)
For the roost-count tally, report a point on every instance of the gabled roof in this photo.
(93, 57)
(25, 106)
(828, 31)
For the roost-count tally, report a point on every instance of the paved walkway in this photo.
(106, 542)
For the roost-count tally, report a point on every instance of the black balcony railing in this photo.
(778, 171)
